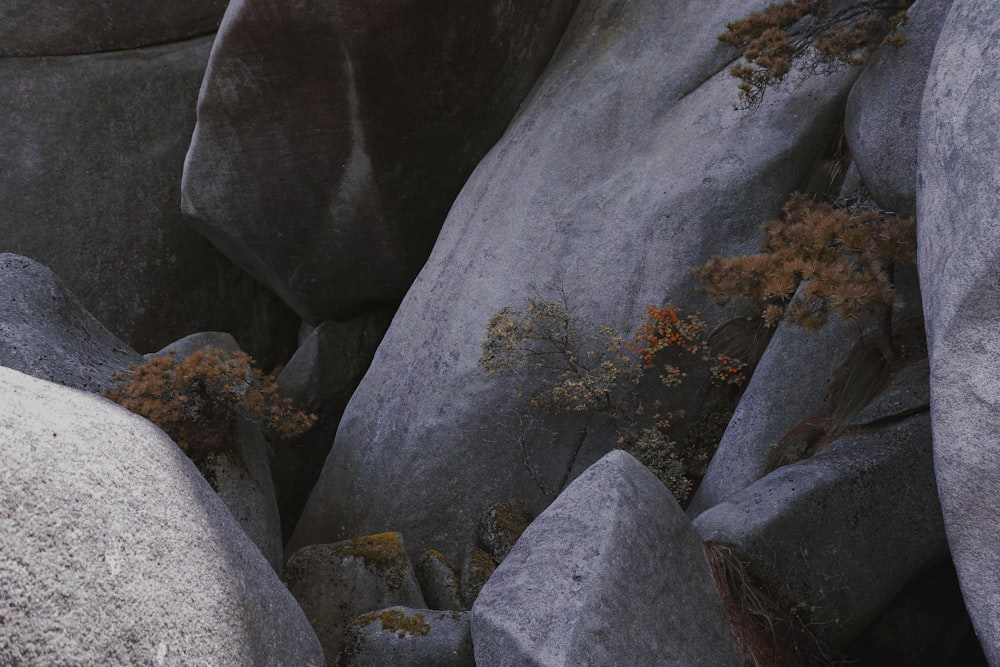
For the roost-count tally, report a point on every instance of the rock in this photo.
(883, 109)
(240, 472)
(440, 581)
(616, 178)
(51, 28)
(336, 583)
(908, 393)
(114, 550)
(612, 573)
(841, 533)
(957, 199)
(477, 568)
(320, 378)
(406, 636)
(500, 527)
(364, 156)
(46, 332)
(93, 149)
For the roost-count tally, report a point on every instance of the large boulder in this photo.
(91, 153)
(114, 550)
(626, 167)
(46, 332)
(51, 27)
(612, 573)
(333, 136)
(959, 250)
(883, 109)
(840, 534)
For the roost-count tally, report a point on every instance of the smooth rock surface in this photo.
(411, 637)
(842, 532)
(52, 27)
(617, 177)
(114, 550)
(47, 333)
(332, 137)
(883, 110)
(958, 255)
(612, 573)
(91, 154)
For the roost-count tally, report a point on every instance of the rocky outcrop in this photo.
(626, 167)
(46, 332)
(114, 550)
(92, 152)
(336, 583)
(959, 251)
(883, 109)
(51, 28)
(366, 120)
(612, 573)
(407, 636)
(840, 534)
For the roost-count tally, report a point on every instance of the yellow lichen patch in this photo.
(398, 621)
(383, 553)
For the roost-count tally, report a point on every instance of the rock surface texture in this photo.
(91, 154)
(612, 573)
(47, 333)
(617, 176)
(115, 551)
(333, 136)
(411, 637)
(959, 255)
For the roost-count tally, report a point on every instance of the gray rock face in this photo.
(46, 332)
(959, 251)
(114, 550)
(617, 177)
(841, 532)
(91, 154)
(366, 121)
(336, 583)
(612, 573)
(883, 109)
(50, 27)
(411, 637)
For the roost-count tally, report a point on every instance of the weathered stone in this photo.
(958, 197)
(114, 550)
(46, 332)
(240, 472)
(336, 583)
(440, 581)
(477, 568)
(616, 178)
(612, 573)
(500, 527)
(840, 533)
(50, 27)
(91, 154)
(883, 109)
(320, 378)
(364, 156)
(411, 637)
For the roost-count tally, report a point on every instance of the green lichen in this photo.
(383, 553)
(398, 621)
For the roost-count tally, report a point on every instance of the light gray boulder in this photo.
(91, 153)
(411, 637)
(336, 583)
(240, 471)
(333, 189)
(46, 332)
(626, 167)
(114, 550)
(841, 533)
(612, 573)
(883, 109)
(959, 251)
(51, 27)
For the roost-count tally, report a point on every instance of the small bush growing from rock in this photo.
(810, 33)
(195, 400)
